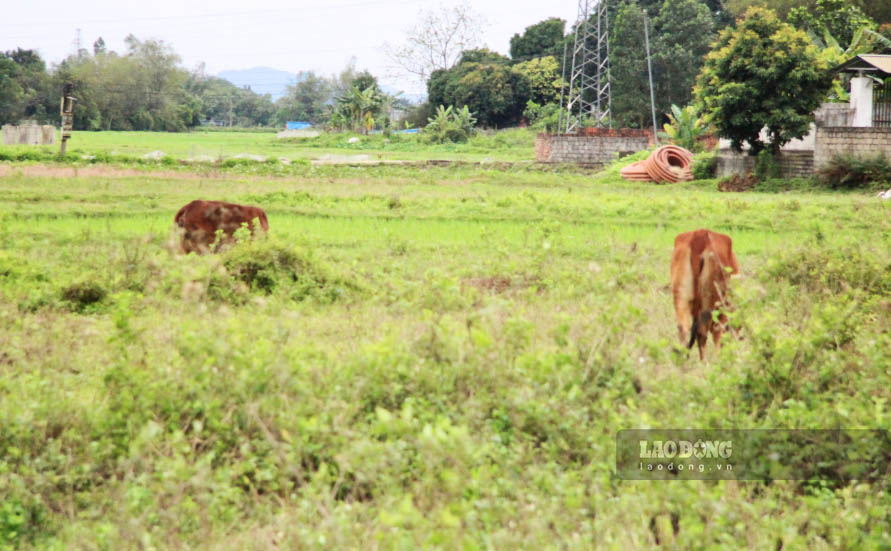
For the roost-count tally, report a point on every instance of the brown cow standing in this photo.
(701, 266)
(200, 220)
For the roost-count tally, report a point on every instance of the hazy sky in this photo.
(228, 34)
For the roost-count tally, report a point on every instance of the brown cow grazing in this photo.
(701, 266)
(200, 220)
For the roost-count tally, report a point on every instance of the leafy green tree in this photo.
(543, 74)
(762, 74)
(365, 80)
(628, 71)
(485, 56)
(37, 98)
(545, 38)
(683, 31)
(837, 18)
(10, 90)
(305, 101)
(494, 92)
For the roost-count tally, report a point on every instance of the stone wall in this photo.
(792, 164)
(30, 134)
(832, 141)
(596, 146)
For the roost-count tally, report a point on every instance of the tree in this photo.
(99, 46)
(836, 17)
(365, 80)
(10, 90)
(762, 74)
(495, 93)
(683, 31)
(306, 100)
(628, 71)
(359, 107)
(543, 74)
(437, 40)
(485, 56)
(545, 38)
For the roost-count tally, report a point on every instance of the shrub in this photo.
(83, 295)
(766, 166)
(267, 268)
(450, 125)
(738, 182)
(705, 166)
(543, 117)
(856, 172)
(833, 271)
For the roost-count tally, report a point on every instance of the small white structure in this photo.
(861, 101)
(869, 68)
(29, 134)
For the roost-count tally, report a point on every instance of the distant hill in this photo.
(262, 80)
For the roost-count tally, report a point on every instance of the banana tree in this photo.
(685, 126)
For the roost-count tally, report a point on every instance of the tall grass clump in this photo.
(266, 267)
(857, 172)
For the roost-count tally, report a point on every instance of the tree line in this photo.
(504, 90)
(146, 88)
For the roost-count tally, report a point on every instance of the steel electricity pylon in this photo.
(589, 90)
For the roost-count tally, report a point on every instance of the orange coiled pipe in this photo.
(669, 163)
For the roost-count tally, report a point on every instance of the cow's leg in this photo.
(703, 328)
(718, 329)
(682, 290)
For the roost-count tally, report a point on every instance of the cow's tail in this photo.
(694, 329)
(264, 222)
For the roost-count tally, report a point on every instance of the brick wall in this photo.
(832, 141)
(793, 164)
(597, 146)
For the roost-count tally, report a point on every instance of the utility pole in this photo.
(562, 85)
(67, 112)
(650, 72)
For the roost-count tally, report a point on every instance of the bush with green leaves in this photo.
(857, 172)
(543, 117)
(450, 125)
(705, 166)
(684, 127)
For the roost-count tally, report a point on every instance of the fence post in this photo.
(67, 112)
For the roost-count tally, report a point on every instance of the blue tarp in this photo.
(406, 131)
(297, 125)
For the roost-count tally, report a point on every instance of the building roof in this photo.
(867, 62)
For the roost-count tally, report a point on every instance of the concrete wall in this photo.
(30, 134)
(834, 114)
(597, 146)
(792, 164)
(832, 141)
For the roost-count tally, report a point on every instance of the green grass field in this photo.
(420, 358)
(509, 145)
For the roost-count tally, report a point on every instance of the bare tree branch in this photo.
(436, 40)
